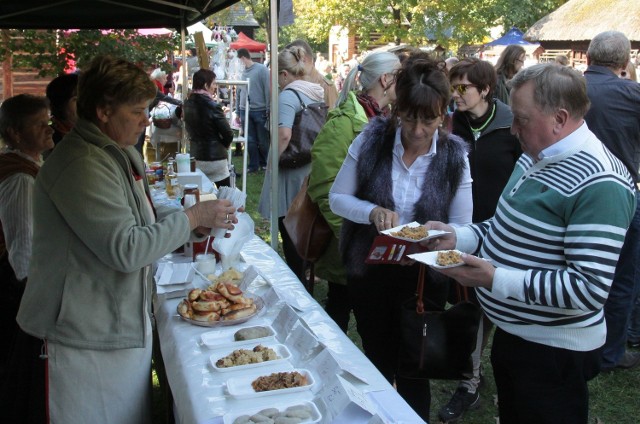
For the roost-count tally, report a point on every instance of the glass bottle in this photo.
(171, 179)
(232, 176)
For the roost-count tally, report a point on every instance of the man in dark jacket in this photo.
(614, 117)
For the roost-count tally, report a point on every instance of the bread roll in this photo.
(205, 316)
(240, 313)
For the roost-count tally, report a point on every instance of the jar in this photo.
(193, 164)
(191, 189)
(157, 169)
(151, 177)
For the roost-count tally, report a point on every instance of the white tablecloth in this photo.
(199, 391)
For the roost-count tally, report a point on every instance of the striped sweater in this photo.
(555, 240)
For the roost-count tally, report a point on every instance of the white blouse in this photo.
(407, 182)
(16, 200)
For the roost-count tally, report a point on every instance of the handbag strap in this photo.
(304, 106)
(461, 291)
(420, 290)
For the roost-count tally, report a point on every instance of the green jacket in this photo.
(92, 241)
(329, 151)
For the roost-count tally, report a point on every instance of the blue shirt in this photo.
(614, 116)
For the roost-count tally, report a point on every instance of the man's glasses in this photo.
(461, 88)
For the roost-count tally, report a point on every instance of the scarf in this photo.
(313, 91)
(59, 126)
(370, 105)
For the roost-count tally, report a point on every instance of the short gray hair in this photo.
(611, 49)
(555, 87)
(373, 66)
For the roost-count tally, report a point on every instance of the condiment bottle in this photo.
(171, 179)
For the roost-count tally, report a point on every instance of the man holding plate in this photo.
(553, 244)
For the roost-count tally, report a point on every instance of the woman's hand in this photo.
(445, 242)
(383, 218)
(218, 213)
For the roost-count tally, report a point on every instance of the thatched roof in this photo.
(579, 20)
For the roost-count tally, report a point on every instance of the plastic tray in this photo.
(230, 417)
(281, 350)
(240, 387)
(225, 336)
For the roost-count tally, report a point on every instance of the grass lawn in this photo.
(614, 397)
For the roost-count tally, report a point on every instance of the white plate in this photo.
(429, 258)
(280, 350)
(257, 300)
(240, 387)
(230, 417)
(432, 233)
(223, 337)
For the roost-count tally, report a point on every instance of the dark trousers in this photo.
(23, 387)
(539, 384)
(339, 305)
(623, 293)
(377, 298)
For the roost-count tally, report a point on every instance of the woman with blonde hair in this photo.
(292, 71)
(511, 60)
(354, 108)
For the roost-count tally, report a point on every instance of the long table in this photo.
(347, 389)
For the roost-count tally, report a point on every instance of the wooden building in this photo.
(569, 29)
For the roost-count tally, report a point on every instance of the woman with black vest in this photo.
(400, 169)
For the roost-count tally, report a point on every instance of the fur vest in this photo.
(376, 185)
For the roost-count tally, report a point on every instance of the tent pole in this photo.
(273, 118)
(185, 82)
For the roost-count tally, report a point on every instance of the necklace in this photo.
(477, 131)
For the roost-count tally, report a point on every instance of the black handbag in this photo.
(438, 344)
(306, 126)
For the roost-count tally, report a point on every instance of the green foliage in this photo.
(524, 14)
(50, 51)
(418, 22)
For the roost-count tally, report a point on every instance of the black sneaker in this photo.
(460, 402)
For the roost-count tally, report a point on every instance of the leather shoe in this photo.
(634, 344)
(628, 360)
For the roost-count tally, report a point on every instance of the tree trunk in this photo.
(7, 80)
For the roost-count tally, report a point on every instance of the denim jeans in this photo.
(258, 138)
(624, 291)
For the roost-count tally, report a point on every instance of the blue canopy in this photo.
(513, 36)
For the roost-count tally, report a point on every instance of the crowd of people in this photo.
(527, 169)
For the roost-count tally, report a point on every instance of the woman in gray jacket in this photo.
(96, 235)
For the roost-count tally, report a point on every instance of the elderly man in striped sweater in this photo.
(551, 251)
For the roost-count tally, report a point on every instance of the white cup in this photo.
(229, 261)
(184, 162)
(206, 264)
